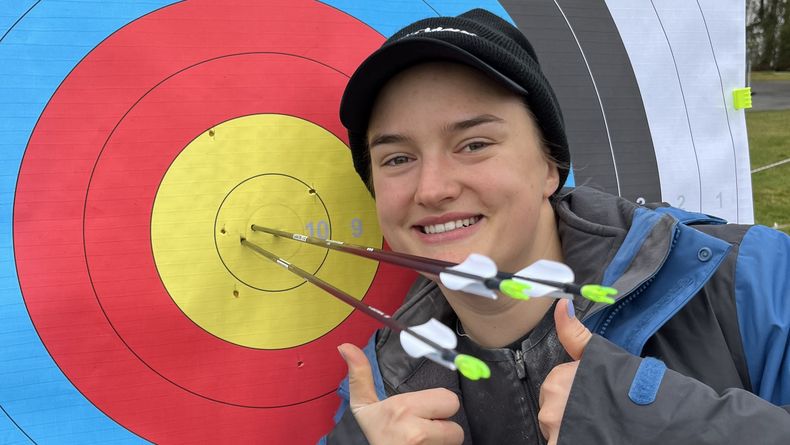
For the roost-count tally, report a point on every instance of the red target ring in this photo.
(83, 210)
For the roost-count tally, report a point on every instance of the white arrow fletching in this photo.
(434, 330)
(546, 270)
(549, 270)
(476, 264)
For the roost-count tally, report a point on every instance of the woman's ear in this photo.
(552, 180)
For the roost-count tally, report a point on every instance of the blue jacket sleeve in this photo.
(621, 398)
(763, 302)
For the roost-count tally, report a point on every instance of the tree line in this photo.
(768, 34)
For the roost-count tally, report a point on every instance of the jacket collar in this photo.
(610, 240)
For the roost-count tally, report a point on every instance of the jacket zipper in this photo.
(521, 371)
(623, 303)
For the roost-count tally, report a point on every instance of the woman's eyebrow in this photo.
(381, 139)
(473, 122)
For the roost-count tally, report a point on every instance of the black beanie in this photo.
(476, 38)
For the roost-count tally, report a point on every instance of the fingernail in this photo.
(341, 352)
(571, 310)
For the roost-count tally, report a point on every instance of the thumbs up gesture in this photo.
(411, 418)
(555, 390)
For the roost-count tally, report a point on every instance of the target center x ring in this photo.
(272, 170)
(273, 200)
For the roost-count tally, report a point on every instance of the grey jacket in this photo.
(707, 302)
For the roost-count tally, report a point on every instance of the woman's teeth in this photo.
(450, 225)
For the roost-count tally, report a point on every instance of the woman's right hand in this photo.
(411, 418)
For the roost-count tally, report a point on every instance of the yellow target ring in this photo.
(271, 170)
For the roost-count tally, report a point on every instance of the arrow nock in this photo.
(471, 367)
(515, 289)
(598, 293)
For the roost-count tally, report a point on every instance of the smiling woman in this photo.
(470, 151)
(439, 129)
(433, 114)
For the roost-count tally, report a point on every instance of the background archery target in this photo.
(692, 55)
(109, 330)
(581, 52)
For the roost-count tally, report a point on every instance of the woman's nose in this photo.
(437, 181)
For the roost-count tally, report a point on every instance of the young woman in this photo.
(459, 137)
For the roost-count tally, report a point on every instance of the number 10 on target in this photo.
(320, 229)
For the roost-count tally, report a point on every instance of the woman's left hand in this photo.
(556, 389)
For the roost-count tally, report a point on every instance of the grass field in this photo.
(769, 142)
(771, 75)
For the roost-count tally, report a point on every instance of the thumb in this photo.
(573, 335)
(360, 377)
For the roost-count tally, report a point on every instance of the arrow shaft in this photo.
(378, 315)
(415, 262)
(418, 263)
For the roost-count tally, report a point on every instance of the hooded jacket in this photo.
(696, 349)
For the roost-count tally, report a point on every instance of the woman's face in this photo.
(457, 168)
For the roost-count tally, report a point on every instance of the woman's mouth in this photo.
(449, 226)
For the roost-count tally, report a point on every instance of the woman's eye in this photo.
(397, 160)
(475, 146)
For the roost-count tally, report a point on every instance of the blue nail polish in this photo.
(571, 310)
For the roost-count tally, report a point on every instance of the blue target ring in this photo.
(39, 404)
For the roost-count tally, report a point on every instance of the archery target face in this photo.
(137, 185)
(141, 141)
